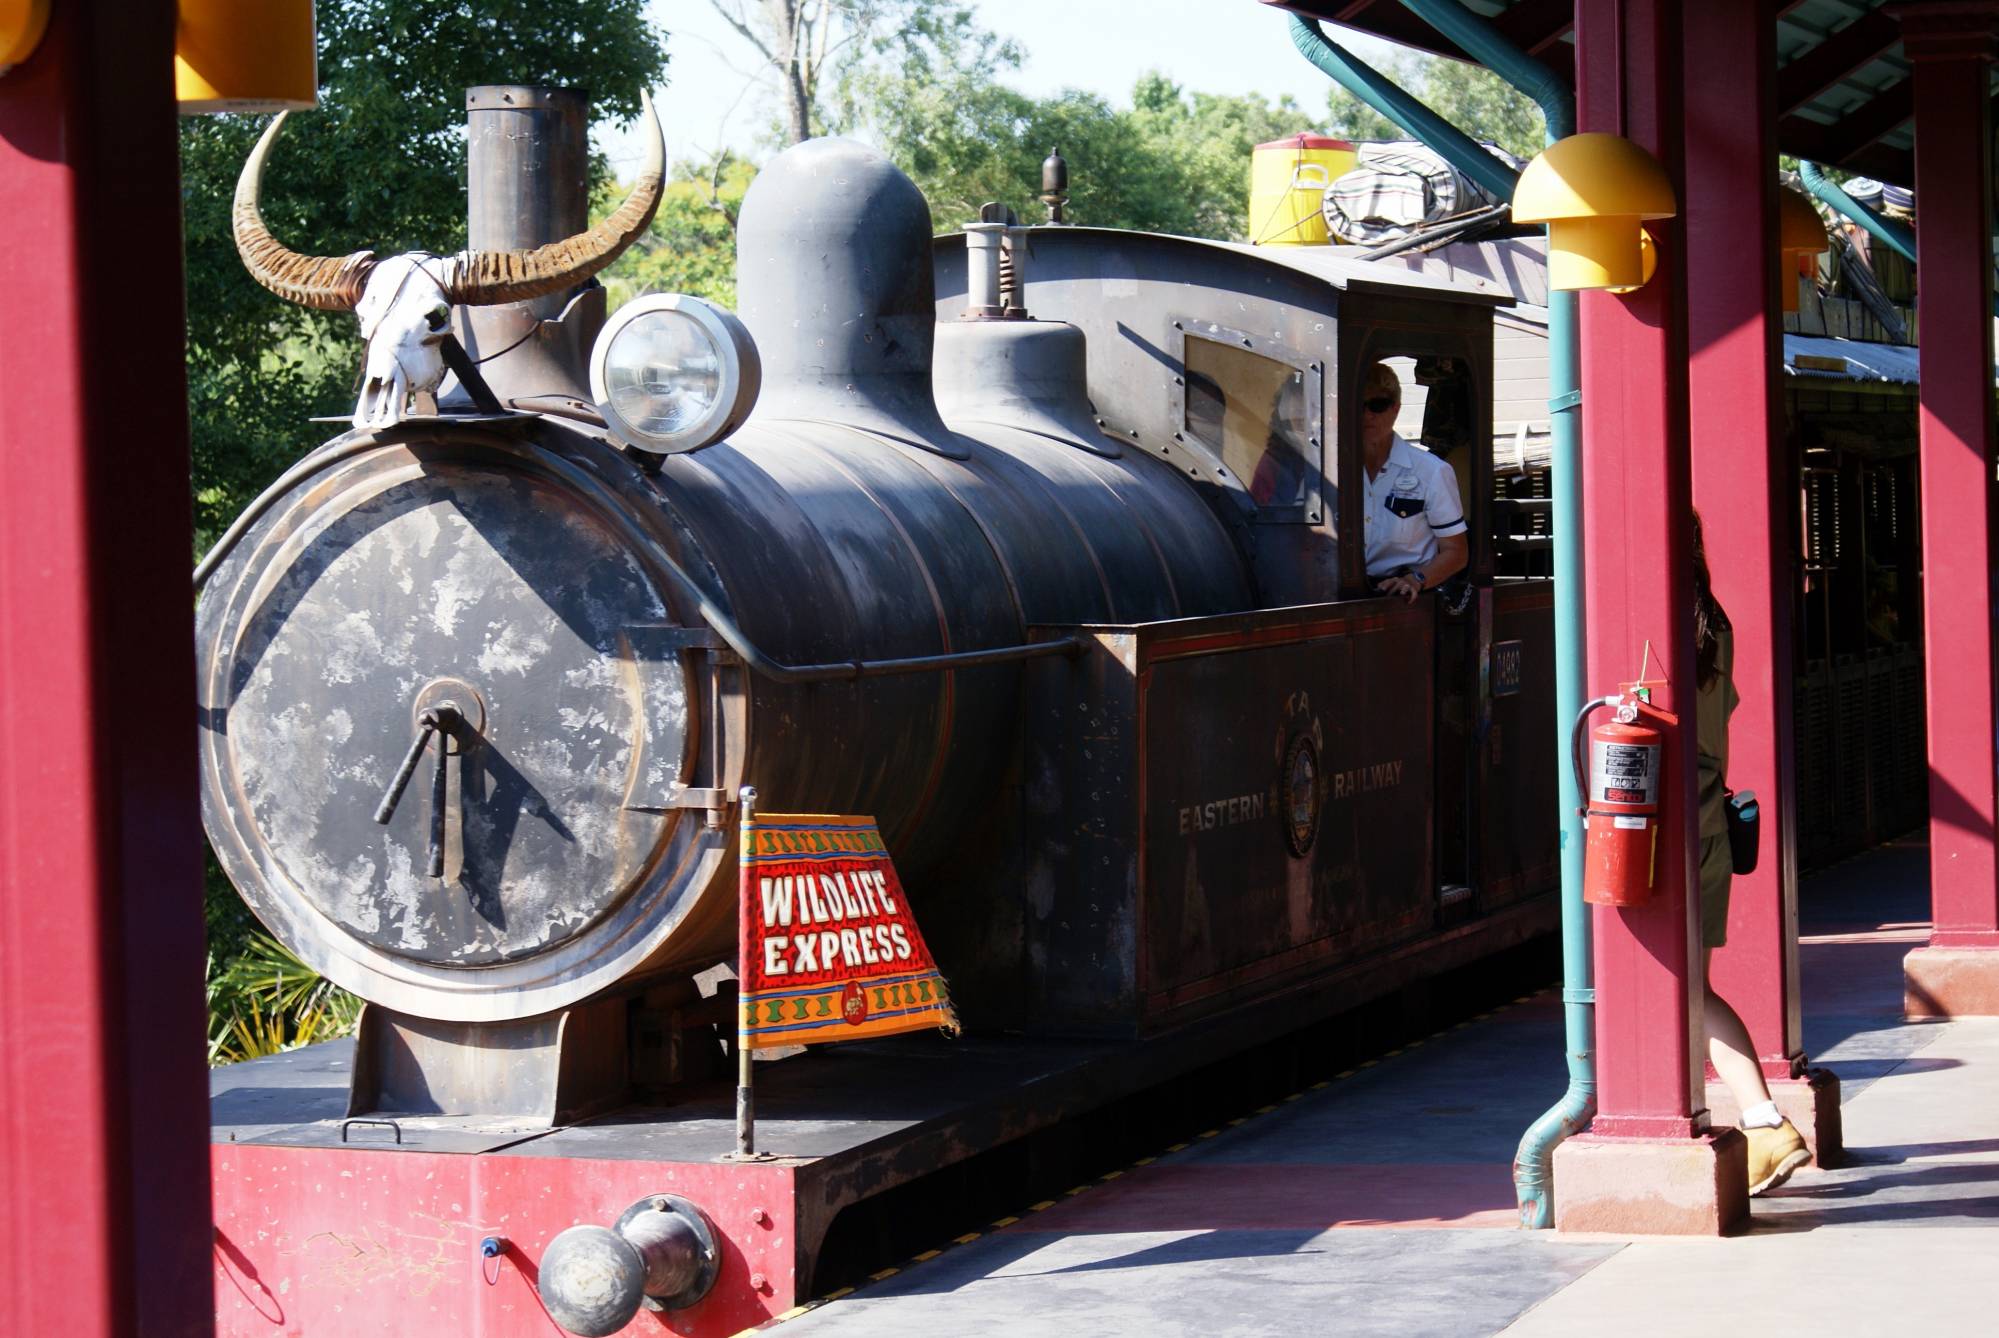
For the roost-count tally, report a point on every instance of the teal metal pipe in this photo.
(1478, 38)
(1533, 1163)
(1379, 92)
(1892, 234)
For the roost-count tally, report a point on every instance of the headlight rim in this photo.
(742, 373)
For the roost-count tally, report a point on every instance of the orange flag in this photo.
(830, 949)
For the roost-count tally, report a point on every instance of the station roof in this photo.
(1843, 90)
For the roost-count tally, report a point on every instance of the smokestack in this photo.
(527, 184)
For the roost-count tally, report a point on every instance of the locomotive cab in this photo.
(1359, 772)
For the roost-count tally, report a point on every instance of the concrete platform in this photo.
(1382, 1203)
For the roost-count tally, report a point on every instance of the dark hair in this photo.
(1710, 619)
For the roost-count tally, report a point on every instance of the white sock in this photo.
(1762, 1116)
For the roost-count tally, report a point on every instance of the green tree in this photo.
(691, 247)
(1205, 141)
(1347, 117)
(380, 165)
(965, 142)
(811, 47)
(1484, 106)
(826, 56)
(1174, 162)
(1470, 97)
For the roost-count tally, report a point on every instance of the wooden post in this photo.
(1952, 48)
(104, 1191)
(1648, 1163)
(1745, 485)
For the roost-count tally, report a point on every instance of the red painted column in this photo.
(1646, 1163)
(1636, 491)
(104, 1222)
(1952, 48)
(1745, 487)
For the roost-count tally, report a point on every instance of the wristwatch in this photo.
(1416, 573)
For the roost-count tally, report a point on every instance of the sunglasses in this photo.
(1378, 403)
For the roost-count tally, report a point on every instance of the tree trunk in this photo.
(797, 106)
(795, 72)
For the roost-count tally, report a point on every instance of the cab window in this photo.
(1256, 414)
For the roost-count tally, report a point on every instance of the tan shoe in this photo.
(1773, 1155)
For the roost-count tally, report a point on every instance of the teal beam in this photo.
(1420, 122)
(1892, 234)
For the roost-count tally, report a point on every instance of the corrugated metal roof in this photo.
(1857, 359)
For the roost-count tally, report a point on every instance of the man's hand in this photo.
(1405, 588)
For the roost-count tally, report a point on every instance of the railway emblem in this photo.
(854, 1004)
(1299, 786)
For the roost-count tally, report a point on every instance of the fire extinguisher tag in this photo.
(1624, 773)
(1628, 823)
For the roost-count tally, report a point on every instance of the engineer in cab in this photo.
(1415, 521)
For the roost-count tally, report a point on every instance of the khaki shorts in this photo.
(1717, 867)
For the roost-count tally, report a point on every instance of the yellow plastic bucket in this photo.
(1287, 183)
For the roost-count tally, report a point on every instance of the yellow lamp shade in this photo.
(1648, 261)
(21, 25)
(245, 56)
(1592, 190)
(1800, 238)
(1612, 252)
(1799, 227)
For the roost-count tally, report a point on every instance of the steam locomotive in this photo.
(1039, 544)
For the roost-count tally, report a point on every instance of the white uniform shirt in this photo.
(1411, 503)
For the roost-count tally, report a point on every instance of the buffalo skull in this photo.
(404, 302)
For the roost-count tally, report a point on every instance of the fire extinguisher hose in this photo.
(1576, 737)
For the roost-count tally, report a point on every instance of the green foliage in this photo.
(1206, 140)
(920, 43)
(965, 144)
(1347, 117)
(379, 166)
(228, 920)
(1484, 106)
(265, 1000)
(1470, 97)
(1173, 162)
(691, 247)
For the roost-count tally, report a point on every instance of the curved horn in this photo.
(486, 278)
(330, 283)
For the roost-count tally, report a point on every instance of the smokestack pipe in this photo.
(528, 184)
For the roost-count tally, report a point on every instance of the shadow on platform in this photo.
(1317, 1207)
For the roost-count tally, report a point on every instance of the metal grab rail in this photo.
(753, 656)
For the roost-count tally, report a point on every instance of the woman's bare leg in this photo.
(1729, 1048)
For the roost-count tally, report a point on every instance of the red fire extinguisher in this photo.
(1622, 787)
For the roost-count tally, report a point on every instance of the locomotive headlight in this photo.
(674, 373)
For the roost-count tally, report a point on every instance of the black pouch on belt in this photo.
(1744, 820)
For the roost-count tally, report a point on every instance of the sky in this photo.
(715, 97)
